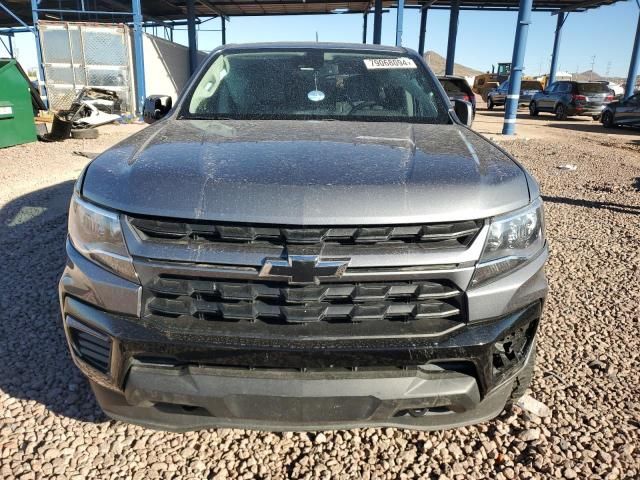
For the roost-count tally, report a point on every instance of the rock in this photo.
(570, 473)
(529, 435)
(531, 405)
(597, 365)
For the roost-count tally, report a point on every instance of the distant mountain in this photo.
(586, 76)
(437, 63)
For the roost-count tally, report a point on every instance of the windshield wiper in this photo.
(203, 117)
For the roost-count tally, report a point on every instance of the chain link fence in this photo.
(78, 55)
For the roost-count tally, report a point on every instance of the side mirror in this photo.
(156, 107)
(464, 111)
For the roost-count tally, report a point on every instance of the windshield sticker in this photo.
(379, 63)
(315, 95)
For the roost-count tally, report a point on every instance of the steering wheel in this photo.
(360, 106)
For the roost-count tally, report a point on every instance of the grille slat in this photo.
(273, 303)
(441, 235)
(329, 292)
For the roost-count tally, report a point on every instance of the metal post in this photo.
(377, 22)
(556, 47)
(364, 27)
(138, 36)
(399, 20)
(192, 35)
(453, 34)
(11, 45)
(423, 29)
(36, 33)
(633, 66)
(517, 63)
(224, 30)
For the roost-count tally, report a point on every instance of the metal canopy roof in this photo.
(168, 10)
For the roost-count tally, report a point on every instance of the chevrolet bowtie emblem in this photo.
(303, 269)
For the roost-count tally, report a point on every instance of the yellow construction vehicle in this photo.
(485, 82)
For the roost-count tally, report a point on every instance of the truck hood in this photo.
(306, 173)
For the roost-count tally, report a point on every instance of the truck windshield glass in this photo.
(316, 84)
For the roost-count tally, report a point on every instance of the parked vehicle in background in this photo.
(622, 112)
(528, 88)
(457, 88)
(483, 83)
(570, 98)
(311, 238)
(617, 90)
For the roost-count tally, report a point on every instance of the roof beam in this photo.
(206, 4)
(583, 5)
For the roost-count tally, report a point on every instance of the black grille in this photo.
(439, 235)
(92, 347)
(274, 303)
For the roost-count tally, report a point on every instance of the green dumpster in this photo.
(16, 110)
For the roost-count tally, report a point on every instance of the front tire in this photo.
(607, 120)
(561, 112)
(533, 109)
(85, 133)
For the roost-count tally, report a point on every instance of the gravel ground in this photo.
(587, 372)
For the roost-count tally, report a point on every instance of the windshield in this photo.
(530, 85)
(453, 86)
(593, 88)
(316, 84)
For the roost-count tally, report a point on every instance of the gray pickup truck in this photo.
(310, 237)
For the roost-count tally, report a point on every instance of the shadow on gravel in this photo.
(596, 128)
(34, 361)
(523, 114)
(580, 202)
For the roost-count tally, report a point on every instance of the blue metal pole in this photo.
(36, 33)
(377, 22)
(192, 35)
(423, 29)
(224, 30)
(11, 45)
(453, 34)
(556, 48)
(633, 66)
(399, 21)
(138, 54)
(517, 65)
(364, 27)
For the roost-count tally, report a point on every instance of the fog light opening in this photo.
(512, 349)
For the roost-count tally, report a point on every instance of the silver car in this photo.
(498, 97)
(310, 237)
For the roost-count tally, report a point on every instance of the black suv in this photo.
(569, 99)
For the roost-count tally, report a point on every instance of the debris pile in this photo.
(91, 108)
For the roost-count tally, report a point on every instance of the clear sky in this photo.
(484, 38)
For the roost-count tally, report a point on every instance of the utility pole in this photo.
(593, 62)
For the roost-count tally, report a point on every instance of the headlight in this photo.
(97, 235)
(513, 240)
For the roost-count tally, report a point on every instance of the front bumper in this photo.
(179, 381)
